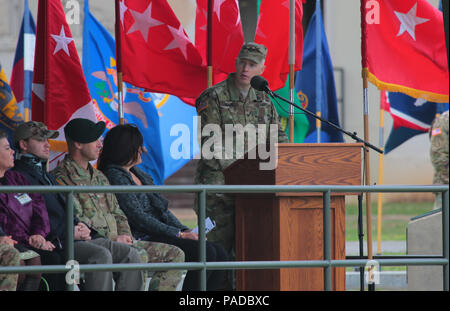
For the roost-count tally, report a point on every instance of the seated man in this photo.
(101, 211)
(31, 142)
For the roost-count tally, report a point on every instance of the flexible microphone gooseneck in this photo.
(261, 84)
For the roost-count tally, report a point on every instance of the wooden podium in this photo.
(289, 226)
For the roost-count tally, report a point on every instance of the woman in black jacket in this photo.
(148, 213)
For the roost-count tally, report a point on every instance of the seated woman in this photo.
(24, 223)
(148, 213)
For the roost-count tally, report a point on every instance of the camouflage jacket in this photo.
(439, 148)
(223, 104)
(9, 256)
(99, 211)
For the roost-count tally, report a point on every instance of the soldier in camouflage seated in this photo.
(101, 211)
(9, 256)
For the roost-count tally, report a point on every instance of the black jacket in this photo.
(36, 173)
(147, 213)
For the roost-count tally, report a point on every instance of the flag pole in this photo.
(366, 133)
(291, 67)
(380, 181)
(209, 44)
(27, 100)
(119, 63)
(367, 167)
(318, 82)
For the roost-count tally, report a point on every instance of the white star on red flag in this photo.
(409, 21)
(217, 5)
(180, 40)
(238, 18)
(205, 13)
(62, 42)
(143, 22)
(123, 9)
(259, 32)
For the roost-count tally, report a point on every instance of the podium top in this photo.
(337, 145)
(302, 164)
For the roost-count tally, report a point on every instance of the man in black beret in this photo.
(101, 211)
(31, 142)
(83, 130)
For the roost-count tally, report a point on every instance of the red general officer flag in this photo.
(59, 86)
(404, 48)
(227, 36)
(157, 55)
(272, 30)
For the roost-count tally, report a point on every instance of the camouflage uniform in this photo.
(439, 152)
(101, 212)
(9, 256)
(224, 104)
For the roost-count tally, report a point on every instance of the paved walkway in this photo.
(352, 248)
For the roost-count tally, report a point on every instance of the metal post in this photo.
(292, 22)
(361, 241)
(445, 238)
(202, 238)
(69, 234)
(327, 240)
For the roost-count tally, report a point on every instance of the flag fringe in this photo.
(384, 86)
(58, 145)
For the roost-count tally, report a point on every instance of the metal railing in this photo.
(327, 263)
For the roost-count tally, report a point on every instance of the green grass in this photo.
(395, 218)
(398, 208)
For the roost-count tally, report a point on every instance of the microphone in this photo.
(260, 84)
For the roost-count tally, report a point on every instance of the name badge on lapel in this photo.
(23, 198)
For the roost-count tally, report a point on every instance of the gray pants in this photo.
(105, 251)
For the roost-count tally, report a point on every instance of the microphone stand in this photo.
(357, 139)
(352, 135)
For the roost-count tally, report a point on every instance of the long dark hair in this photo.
(121, 146)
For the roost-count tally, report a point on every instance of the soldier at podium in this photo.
(232, 102)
